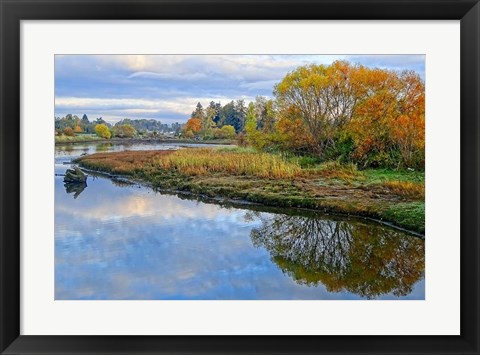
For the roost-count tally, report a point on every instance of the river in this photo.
(119, 241)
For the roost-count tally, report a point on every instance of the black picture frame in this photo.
(13, 11)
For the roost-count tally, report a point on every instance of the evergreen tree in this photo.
(217, 109)
(240, 113)
(199, 112)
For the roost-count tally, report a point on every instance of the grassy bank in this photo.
(77, 138)
(270, 179)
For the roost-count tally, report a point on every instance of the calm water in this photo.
(118, 241)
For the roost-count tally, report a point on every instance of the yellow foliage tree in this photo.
(102, 131)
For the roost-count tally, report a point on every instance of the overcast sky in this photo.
(167, 87)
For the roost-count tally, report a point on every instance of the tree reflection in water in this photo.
(366, 259)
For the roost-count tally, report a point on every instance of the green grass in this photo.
(409, 215)
(381, 175)
(77, 138)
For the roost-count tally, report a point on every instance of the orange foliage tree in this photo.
(192, 127)
(78, 129)
(373, 117)
(68, 132)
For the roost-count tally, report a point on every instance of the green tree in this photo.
(85, 123)
(208, 123)
(199, 112)
(240, 113)
(251, 124)
(265, 113)
(217, 108)
(228, 131)
(233, 114)
(100, 120)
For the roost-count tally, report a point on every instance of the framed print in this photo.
(238, 177)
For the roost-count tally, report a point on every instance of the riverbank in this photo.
(389, 196)
(95, 139)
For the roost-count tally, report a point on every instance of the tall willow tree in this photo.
(323, 96)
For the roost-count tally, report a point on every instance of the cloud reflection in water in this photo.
(117, 242)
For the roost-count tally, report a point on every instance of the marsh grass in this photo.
(407, 189)
(127, 162)
(196, 162)
(276, 180)
(203, 161)
(336, 170)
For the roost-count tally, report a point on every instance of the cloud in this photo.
(393, 62)
(266, 84)
(168, 76)
(167, 87)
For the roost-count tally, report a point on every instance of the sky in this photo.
(168, 87)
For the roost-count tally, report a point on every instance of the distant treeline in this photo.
(72, 124)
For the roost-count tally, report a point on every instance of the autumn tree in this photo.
(192, 127)
(408, 132)
(78, 129)
(371, 116)
(102, 131)
(124, 131)
(333, 252)
(389, 124)
(68, 132)
(324, 97)
(293, 135)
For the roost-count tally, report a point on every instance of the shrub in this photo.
(68, 132)
(124, 131)
(102, 131)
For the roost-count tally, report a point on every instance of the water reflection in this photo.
(104, 147)
(74, 188)
(365, 259)
(123, 241)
